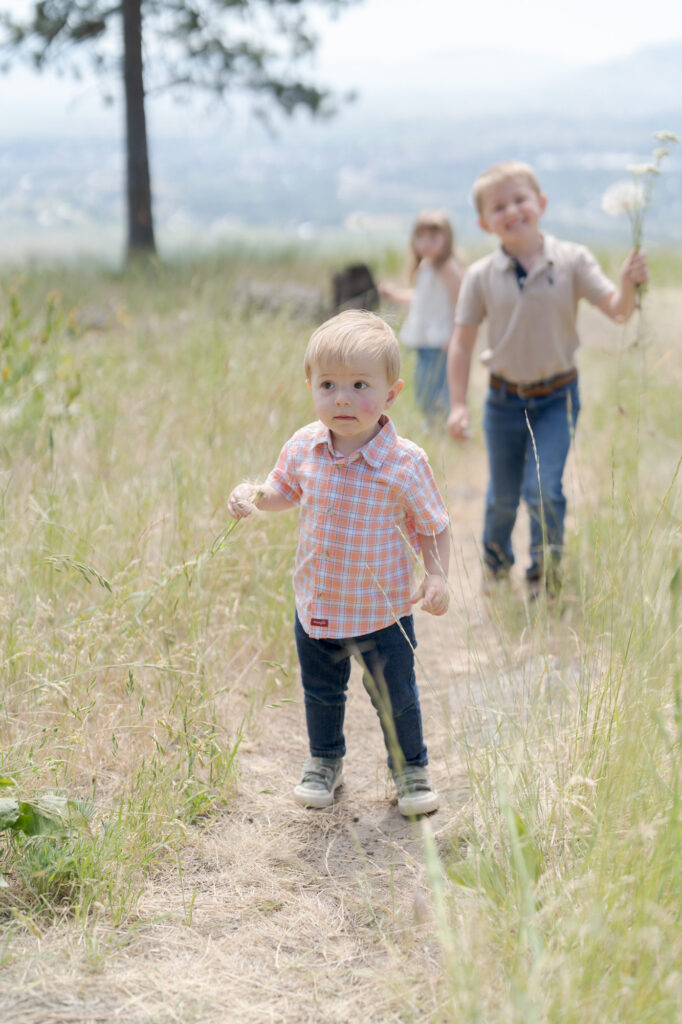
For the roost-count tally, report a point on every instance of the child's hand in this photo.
(458, 422)
(435, 594)
(636, 269)
(240, 503)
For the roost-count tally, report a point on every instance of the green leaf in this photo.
(35, 820)
(47, 815)
(9, 812)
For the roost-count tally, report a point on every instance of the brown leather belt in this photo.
(537, 389)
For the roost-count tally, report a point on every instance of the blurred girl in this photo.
(435, 276)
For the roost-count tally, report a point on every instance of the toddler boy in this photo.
(529, 291)
(368, 505)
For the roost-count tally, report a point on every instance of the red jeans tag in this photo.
(319, 622)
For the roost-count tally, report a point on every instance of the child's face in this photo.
(350, 398)
(429, 243)
(512, 211)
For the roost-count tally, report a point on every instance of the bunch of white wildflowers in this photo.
(633, 196)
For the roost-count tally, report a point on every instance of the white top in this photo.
(429, 321)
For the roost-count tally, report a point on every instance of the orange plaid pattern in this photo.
(358, 524)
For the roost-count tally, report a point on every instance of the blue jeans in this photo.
(516, 473)
(387, 657)
(431, 382)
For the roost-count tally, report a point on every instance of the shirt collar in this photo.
(374, 452)
(504, 261)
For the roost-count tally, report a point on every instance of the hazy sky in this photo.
(584, 31)
(369, 43)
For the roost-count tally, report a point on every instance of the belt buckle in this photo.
(524, 393)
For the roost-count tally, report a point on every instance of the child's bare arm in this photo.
(247, 497)
(434, 589)
(393, 293)
(459, 366)
(620, 304)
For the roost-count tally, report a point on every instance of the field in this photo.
(157, 868)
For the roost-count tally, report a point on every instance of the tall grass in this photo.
(560, 890)
(130, 406)
(133, 658)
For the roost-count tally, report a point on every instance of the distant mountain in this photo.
(406, 144)
(475, 82)
(648, 81)
(463, 82)
(445, 85)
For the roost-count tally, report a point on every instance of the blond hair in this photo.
(503, 172)
(348, 335)
(432, 220)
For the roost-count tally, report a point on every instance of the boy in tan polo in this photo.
(528, 290)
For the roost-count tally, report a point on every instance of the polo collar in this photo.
(374, 452)
(505, 261)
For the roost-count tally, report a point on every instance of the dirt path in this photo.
(284, 914)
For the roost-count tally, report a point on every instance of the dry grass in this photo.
(202, 893)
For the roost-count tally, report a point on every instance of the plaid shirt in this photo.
(358, 523)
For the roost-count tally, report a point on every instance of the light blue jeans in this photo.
(431, 381)
(515, 428)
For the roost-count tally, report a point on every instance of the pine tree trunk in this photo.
(140, 223)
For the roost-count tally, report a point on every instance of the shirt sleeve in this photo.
(590, 280)
(423, 502)
(284, 477)
(470, 307)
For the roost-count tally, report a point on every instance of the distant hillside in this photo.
(366, 172)
(646, 82)
(485, 81)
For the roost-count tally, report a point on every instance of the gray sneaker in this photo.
(416, 795)
(321, 776)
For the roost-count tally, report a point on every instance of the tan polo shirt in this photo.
(532, 333)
